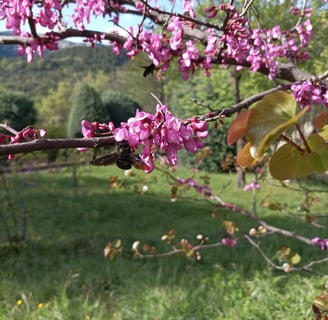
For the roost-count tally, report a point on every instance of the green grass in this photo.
(60, 271)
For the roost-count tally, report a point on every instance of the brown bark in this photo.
(235, 80)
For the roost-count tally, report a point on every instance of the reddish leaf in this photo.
(320, 120)
(239, 127)
(244, 158)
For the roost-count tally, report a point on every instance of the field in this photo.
(60, 271)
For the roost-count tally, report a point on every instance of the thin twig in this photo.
(246, 8)
(300, 132)
(284, 232)
(175, 251)
(201, 104)
(308, 267)
(8, 128)
(265, 257)
(301, 18)
(291, 143)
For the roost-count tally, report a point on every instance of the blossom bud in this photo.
(164, 237)
(286, 267)
(135, 245)
(252, 232)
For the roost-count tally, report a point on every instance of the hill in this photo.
(74, 63)
(70, 63)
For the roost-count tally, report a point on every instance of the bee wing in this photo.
(106, 160)
(138, 163)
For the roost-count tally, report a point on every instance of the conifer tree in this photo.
(119, 107)
(17, 110)
(86, 105)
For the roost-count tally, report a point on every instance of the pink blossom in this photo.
(88, 128)
(190, 145)
(309, 92)
(27, 134)
(161, 131)
(121, 134)
(229, 242)
(140, 6)
(191, 182)
(188, 8)
(211, 11)
(252, 186)
(322, 243)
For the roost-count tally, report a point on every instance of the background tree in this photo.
(17, 110)
(54, 108)
(87, 105)
(118, 107)
(129, 80)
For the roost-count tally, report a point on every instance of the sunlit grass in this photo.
(60, 271)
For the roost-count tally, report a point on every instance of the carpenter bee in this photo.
(149, 70)
(123, 157)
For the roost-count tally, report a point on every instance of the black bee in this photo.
(149, 70)
(123, 157)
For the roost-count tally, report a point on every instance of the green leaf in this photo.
(295, 258)
(288, 163)
(318, 159)
(324, 132)
(118, 244)
(269, 119)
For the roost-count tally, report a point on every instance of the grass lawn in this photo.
(60, 271)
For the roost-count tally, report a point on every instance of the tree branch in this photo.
(52, 144)
(286, 233)
(286, 71)
(307, 267)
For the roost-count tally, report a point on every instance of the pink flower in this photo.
(229, 242)
(43, 133)
(252, 186)
(88, 128)
(322, 243)
(161, 131)
(188, 8)
(121, 134)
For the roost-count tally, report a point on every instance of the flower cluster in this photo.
(252, 186)
(49, 41)
(205, 189)
(322, 243)
(236, 42)
(26, 134)
(310, 92)
(257, 48)
(46, 14)
(229, 242)
(83, 11)
(17, 12)
(261, 47)
(161, 131)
